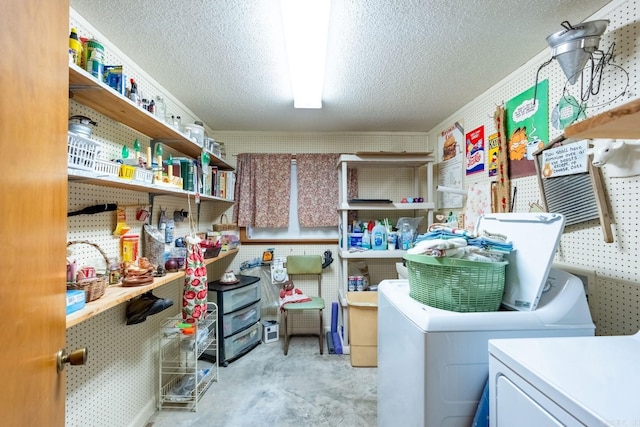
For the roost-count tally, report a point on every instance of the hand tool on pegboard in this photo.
(501, 188)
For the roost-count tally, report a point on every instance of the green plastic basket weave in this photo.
(455, 284)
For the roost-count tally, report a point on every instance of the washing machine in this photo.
(433, 363)
(576, 381)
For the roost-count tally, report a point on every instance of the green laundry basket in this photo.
(456, 284)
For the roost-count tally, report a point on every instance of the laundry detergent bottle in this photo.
(379, 237)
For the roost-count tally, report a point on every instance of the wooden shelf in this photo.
(88, 91)
(89, 177)
(619, 122)
(117, 294)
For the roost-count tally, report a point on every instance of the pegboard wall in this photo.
(118, 385)
(582, 245)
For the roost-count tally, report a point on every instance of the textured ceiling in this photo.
(400, 65)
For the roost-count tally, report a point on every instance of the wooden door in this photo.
(33, 202)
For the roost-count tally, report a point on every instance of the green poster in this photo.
(527, 128)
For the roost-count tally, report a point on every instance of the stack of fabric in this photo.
(441, 241)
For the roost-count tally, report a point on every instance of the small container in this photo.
(114, 271)
(392, 240)
(351, 284)
(129, 247)
(359, 283)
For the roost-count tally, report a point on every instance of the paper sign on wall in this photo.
(492, 155)
(565, 160)
(474, 150)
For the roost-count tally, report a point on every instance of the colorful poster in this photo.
(527, 128)
(492, 153)
(475, 150)
(450, 146)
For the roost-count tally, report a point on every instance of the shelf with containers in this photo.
(118, 294)
(384, 161)
(183, 379)
(88, 91)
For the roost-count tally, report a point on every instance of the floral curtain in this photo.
(262, 190)
(318, 190)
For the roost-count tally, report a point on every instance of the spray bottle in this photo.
(366, 237)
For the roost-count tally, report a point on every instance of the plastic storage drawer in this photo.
(238, 320)
(235, 344)
(237, 298)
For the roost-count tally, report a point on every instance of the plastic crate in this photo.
(144, 176)
(456, 284)
(81, 152)
(105, 167)
(126, 172)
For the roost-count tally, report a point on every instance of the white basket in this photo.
(81, 152)
(143, 175)
(104, 167)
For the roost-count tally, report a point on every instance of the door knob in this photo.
(76, 357)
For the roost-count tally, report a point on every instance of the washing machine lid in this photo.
(535, 238)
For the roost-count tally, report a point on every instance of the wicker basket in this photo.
(94, 288)
(224, 224)
(455, 284)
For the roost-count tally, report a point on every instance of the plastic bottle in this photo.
(161, 108)
(366, 238)
(168, 232)
(379, 237)
(406, 236)
(75, 47)
(133, 93)
(95, 65)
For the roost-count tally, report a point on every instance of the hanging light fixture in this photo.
(306, 27)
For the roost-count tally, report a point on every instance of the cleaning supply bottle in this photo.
(406, 237)
(379, 237)
(366, 238)
(75, 47)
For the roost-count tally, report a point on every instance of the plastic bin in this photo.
(363, 328)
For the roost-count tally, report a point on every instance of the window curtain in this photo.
(262, 190)
(318, 189)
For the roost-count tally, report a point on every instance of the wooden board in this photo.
(619, 122)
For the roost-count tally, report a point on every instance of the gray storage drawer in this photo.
(233, 299)
(238, 320)
(235, 344)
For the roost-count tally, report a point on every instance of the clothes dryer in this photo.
(581, 381)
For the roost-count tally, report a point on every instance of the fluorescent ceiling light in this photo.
(306, 25)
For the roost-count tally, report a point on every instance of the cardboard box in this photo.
(363, 328)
